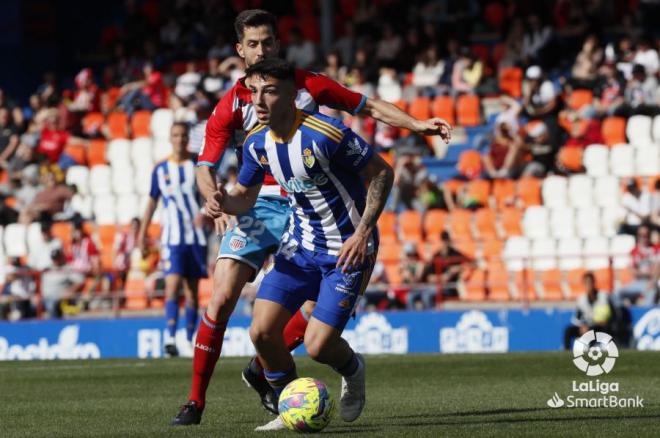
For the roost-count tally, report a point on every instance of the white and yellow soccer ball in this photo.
(306, 405)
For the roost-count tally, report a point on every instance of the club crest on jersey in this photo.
(237, 243)
(308, 158)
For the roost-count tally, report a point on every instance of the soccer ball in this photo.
(305, 405)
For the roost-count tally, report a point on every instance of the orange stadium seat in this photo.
(96, 153)
(453, 185)
(575, 283)
(153, 232)
(443, 106)
(579, 98)
(504, 192)
(459, 224)
(63, 230)
(140, 124)
(492, 248)
(511, 219)
(136, 294)
(420, 108)
(551, 284)
(410, 226)
(118, 124)
(387, 227)
(110, 97)
(469, 164)
(76, 151)
(604, 279)
(403, 106)
(479, 191)
(529, 191)
(474, 285)
(524, 282)
(434, 224)
(468, 111)
(510, 81)
(498, 282)
(92, 123)
(466, 246)
(570, 158)
(485, 221)
(393, 272)
(614, 130)
(389, 252)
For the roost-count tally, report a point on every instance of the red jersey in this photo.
(644, 258)
(82, 253)
(235, 112)
(52, 144)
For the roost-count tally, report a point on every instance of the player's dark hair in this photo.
(274, 68)
(253, 18)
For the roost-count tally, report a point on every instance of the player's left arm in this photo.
(380, 177)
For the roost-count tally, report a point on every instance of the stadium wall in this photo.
(451, 331)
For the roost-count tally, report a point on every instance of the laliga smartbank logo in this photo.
(595, 354)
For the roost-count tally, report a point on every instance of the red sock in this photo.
(294, 332)
(208, 345)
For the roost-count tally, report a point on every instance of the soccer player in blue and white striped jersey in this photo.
(330, 248)
(183, 243)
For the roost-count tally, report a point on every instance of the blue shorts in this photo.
(258, 232)
(305, 275)
(188, 261)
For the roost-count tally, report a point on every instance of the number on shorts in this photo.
(256, 228)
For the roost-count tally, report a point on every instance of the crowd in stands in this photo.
(534, 89)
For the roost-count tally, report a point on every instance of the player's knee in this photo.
(260, 336)
(314, 346)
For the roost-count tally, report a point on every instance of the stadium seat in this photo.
(549, 282)
(620, 248)
(389, 252)
(469, 164)
(63, 231)
(523, 285)
(528, 191)
(468, 111)
(535, 222)
(562, 222)
(504, 191)
(78, 176)
(575, 283)
(76, 152)
(141, 153)
(492, 249)
(595, 253)
(119, 152)
(596, 160)
(123, 180)
(511, 219)
(555, 191)
(466, 246)
(387, 227)
(638, 130)
(656, 128)
(622, 160)
(434, 224)
(478, 191)
(647, 160)
(460, 224)
(92, 123)
(510, 81)
(544, 254)
(588, 222)
(604, 279)
(161, 122)
(613, 130)
(443, 106)
(516, 253)
(118, 125)
(420, 108)
(100, 180)
(136, 294)
(622, 277)
(579, 98)
(485, 221)
(498, 281)
(140, 124)
(15, 237)
(82, 204)
(410, 226)
(607, 192)
(570, 158)
(162, 149)
(580, 190)
(393, 272)
(127, 208)
(473, 285)
(35, 239)
(569, 254)
(610, 219)
(96, 153)
(104, 209)
(142, 181)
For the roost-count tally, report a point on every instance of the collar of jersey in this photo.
(296, 125)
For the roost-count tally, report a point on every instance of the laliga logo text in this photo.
(595, 353)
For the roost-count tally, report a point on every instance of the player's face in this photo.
(271, 97)
(258, 43)
(179, 139)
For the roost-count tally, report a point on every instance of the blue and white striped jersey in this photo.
(174, 182)
(318, 167)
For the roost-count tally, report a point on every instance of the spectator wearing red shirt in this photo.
(149, 93)
(85, 257)
(86, 97)
(646, 268)
(503, 158)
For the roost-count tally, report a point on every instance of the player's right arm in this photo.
(152, 203)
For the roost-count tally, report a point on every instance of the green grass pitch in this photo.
(416, 395)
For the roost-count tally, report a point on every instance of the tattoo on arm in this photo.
(379, 189)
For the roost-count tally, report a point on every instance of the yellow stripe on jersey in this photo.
(328, 127)
(254, 130)
(324, 131)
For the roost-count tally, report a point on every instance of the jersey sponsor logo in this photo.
(296, 185)
(308, 158)
(237, 243)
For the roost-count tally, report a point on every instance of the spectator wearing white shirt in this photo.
(647, 56)
(637, 206)
(40, 259)
(428, 70)
(187, 83)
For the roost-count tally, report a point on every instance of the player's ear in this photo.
(239, 50)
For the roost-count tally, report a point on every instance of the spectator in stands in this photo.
(198, 128)
(594, 312)
(428, 71)
(377, 288)
(389, 45)
(54, 138)
(50, 200)
(641, 92)
(345, 44)
(503, 157)
(123, 248)
(513, 44)
(637, 206)
(655, 205)
(87, 96)
(148, 93)
(60, 284)
(536, 39)
(18, 291)
(8, 138)
(467, 72)
(301, 52)
(389, 86)
(445, 268)
(539, 96)
(431, 196)
(40, 258)
(409, 175)
(647, 56)
(188, 82)
(586, 64)
(334, 68)
(608, 94)
(85, 258)
(212, 83)
(646, 268)
(541, 150)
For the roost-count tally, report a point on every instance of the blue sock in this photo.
(172, 316)
(279, 379)
(191, 322)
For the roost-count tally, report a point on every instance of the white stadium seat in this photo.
(100, 180)
(104, 210)
(78, 176)
(580, 190)
(656, 129)
(516, 253)
(122, 180)
(161, 122)
(607, 192)
(569, 253)
(562, 222)
(2, 244)
(587, 222)
(142, 154)
(647, 160)
(596, 250)
(15, 237)
(144, 199)
(610, 218)
(595, 160)
(622, 160)
(620, 248)
(83, 205)
(127, 208)
(162, 150)
(35, 239)
(119, 152)
(535, 222)
(638, 130)
(142, 181)
(555, 191)
(544, 254)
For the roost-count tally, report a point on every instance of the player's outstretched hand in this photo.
(435, 126)
(353, 252)
(214, 203)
